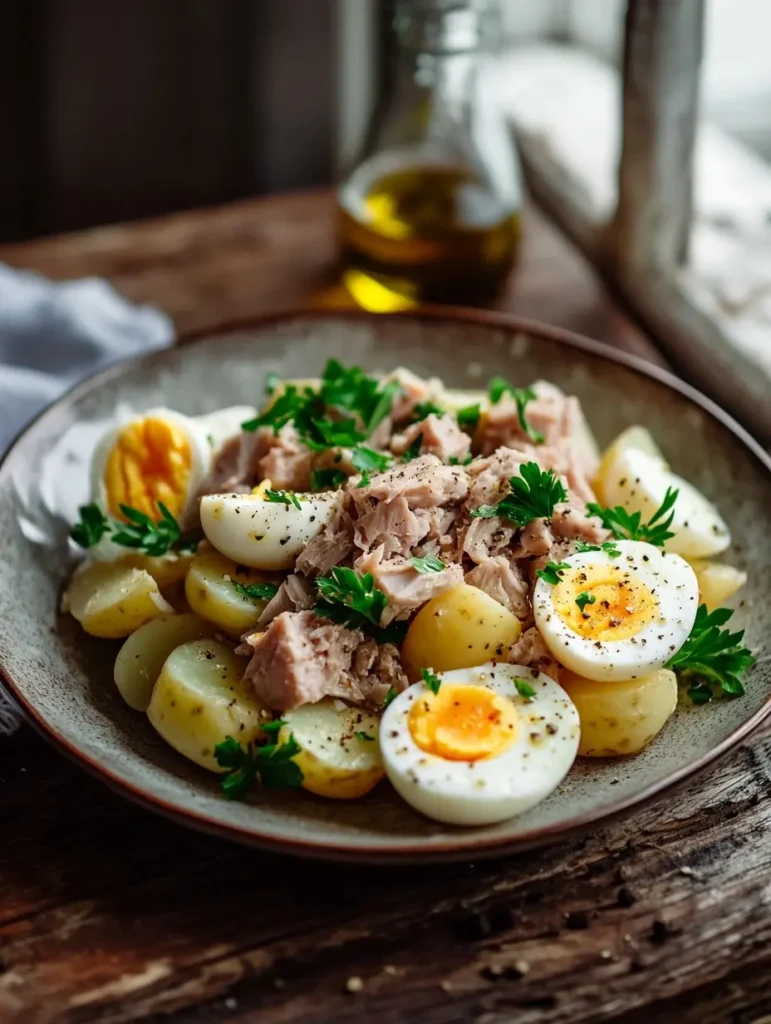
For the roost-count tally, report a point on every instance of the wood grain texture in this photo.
(263, 256)
(109, 914)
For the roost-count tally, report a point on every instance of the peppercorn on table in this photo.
(108, 913)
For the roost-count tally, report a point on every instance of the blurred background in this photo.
(115, 111)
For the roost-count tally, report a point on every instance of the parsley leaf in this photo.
(712, 657)
(291, 403)
(423, 409)
(271, 728)
(272, 381)
(91, 527)
(414, 449)
(534, 493)
(367, 459)
(498, 387)
(629, 526)
(524, 689)
(282, 498)
(364, 482)
(428, 564)
(255, 591)
(383, 405)
(141, 533)
(327, 479)
(391, 695)
(455, 461)
(468, 417)
(351, 389)
(607, 546)
(585, 598)
(350, 599)
(432, 681)
(364, 736)
(273, 765)
(552, 572)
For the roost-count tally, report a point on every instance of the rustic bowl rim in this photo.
(463, 846)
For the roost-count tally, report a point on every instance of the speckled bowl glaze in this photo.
(63, 679)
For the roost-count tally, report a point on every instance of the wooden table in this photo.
(110, 914)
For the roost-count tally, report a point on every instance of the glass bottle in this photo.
(431, 211)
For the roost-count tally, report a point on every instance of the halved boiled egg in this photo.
(617, 617)
(265, 534)
(481, 749)
(638, 481)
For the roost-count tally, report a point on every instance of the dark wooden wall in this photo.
(117, 109)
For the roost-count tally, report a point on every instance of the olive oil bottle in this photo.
(431, 211)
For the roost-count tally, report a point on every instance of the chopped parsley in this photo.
(271, 764)
(327, 479)
(711, 660)
(498, 387)
(524, 689)
(534, 493)
(432, 681)
(255, 591)
(91, 527)
(585, 598)
(368, 460)
(455, 461)
(139, 532)
(350, 599)
(629, 526)
(272, 381)
(364, 482)
(428, 564)
(468, 417)
(390, 696)
(282, 498)
(364, 736)
(552, 572)
(414, 449)
(608, 546)
(272, 728)
(423, 409)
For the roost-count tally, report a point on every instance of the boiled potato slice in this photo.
(336, 758)
(199, 700)
(633, 437)
(142, 656)
(111, 600)
(717, 582)
(622, 717)
(210, 592)
(166, 569)
(460, 628)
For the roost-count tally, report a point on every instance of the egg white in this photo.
(674, 585)
(264, 534)
(638, 481)
(218, 427)
(490, 789)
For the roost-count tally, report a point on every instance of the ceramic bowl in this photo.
(63, 679)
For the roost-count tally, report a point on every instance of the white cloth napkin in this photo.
(51, 336)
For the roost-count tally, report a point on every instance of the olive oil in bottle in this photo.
(431, 211)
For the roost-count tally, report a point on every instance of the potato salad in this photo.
(367, 577)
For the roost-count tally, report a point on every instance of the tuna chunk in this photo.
(295, 594)
(531, 651)
(375, 671)
(424, 483)
(404, 587)
(440, 536)
(300, 659)
(485, 538)
(489, 478)
(502, 580)
(288, 463)
(570, 522)
(392, 525)
(333, 546)
(441, 436)
(236, 465)
(414, 390)
(535, 539)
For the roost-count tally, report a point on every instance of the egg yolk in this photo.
(463, 723)
(623, 605)
(149, 462)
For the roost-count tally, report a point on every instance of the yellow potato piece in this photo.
(717, 582)
(461, 628)
(636, 437)
(166, 569)
(199, 700)
(335, 762)
(210, 592)
(142, 656)
(111, 600)
(622, 717)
